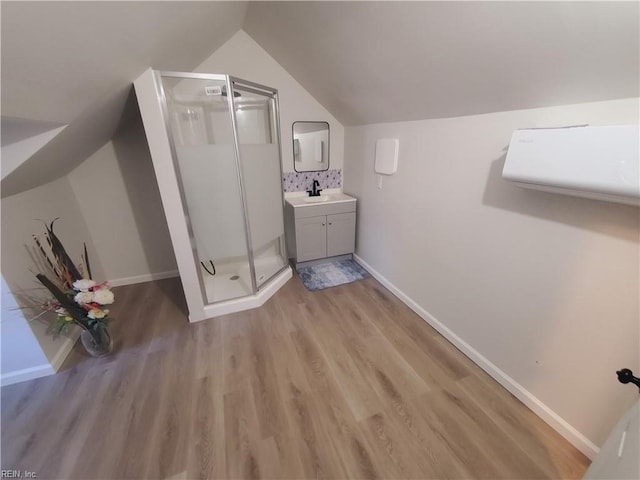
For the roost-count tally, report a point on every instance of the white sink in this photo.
(303, 201)
(320, 199)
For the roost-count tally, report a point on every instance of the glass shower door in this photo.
(201, 125)
(259, 147)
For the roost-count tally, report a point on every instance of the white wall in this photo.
(20, 220)
(544, 286)
(118, 196)
(22, 355)
(15, 154)
(242, 57)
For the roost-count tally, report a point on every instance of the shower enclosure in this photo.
(215, 145)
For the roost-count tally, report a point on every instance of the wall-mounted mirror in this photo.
(310, 146)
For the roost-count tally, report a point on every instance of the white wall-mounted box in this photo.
(594, 162)
(386, 161)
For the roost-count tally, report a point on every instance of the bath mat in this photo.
(331, 274)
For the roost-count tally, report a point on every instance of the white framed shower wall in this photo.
(148, 95)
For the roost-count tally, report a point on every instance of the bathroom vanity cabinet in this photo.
(320, 228)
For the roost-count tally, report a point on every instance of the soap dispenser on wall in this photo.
(386, 158)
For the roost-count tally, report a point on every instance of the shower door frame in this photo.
(253, 87)
(272, 93)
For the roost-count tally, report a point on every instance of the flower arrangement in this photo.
(91, 298)
(78, 299)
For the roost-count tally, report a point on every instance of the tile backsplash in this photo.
(302, 181)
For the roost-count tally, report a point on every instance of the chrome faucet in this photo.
(315, 191)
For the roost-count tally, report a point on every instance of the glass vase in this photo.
(97, 343)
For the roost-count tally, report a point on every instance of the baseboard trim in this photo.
(26, 374)
(65, 349)
(147, 277)
(46, 369)
(560, 425)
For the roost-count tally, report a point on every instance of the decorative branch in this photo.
(45, 258)
(60, 253)
(86, 262)
(56, 292)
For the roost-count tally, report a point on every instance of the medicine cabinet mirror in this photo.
(310, 146)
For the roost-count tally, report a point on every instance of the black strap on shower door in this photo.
(626, 376)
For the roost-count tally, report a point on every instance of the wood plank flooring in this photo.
(341, 383)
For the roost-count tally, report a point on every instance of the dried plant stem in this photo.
(64, 275)
(46, 257)
(86, 262)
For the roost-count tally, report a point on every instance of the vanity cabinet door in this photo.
(311, 238)
(341, 233)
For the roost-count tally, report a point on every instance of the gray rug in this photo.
(331, 274)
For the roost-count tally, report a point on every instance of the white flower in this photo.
(104, 296)
(62, 311)
(84, 297)
(83, 284)
(96, 313)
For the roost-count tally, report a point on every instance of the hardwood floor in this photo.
(341, 383)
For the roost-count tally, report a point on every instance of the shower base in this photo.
(233, 279)
(247, 301)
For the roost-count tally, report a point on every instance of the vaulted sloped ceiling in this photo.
(74, 62)
(367, 62)
(371, 62)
